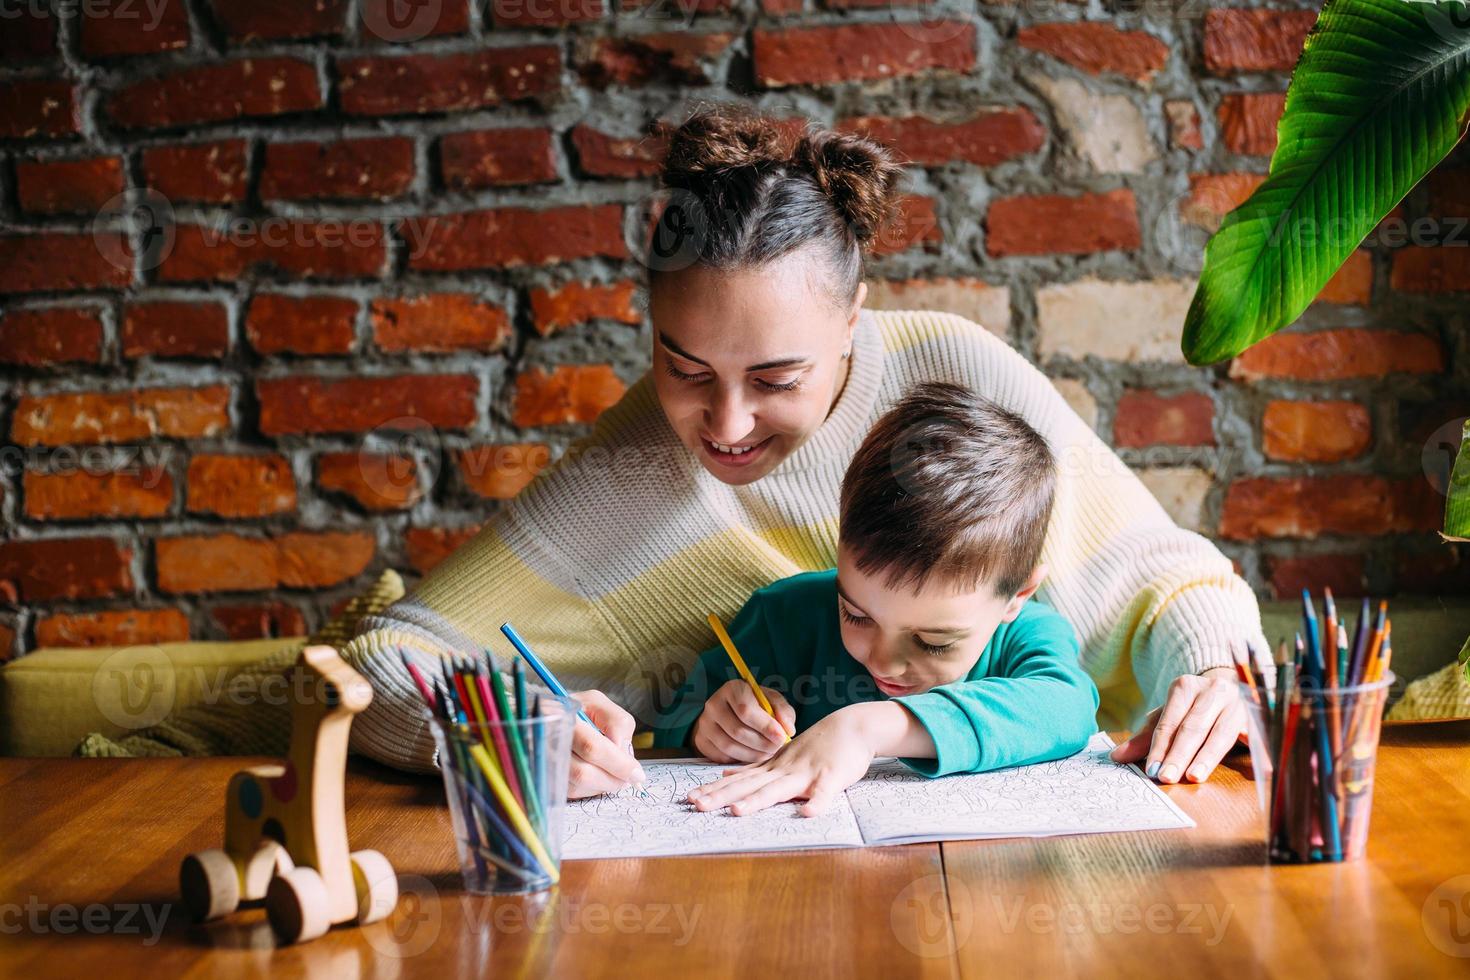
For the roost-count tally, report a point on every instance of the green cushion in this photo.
(52, 697)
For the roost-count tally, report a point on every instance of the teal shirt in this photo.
(1025, 700)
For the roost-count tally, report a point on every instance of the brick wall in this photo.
(371, 272)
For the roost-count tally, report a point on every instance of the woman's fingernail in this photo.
(1169, 774)
(1153, 769)
(638, 776)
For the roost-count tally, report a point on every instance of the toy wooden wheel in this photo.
(298, 906)
(269, 860)
(210, 884)
(376, 885)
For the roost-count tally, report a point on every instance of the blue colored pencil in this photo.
(547, 677)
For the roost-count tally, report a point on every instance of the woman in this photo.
(718, 473)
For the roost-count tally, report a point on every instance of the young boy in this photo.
(921, 644)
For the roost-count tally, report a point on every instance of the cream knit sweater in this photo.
(608, 563)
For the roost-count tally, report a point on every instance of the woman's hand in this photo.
(602, 760)
(1187, 736)
(735, 728)
(829, 757)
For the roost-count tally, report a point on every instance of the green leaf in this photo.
(1457, 504)
(1381, 94)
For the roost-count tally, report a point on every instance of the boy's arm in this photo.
(1038, 705)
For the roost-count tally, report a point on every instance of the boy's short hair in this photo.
(949, 483)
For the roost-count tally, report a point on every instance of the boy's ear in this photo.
(1026, 591)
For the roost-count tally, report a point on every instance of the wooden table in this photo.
(90, 849)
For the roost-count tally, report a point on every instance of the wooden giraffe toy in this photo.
(286, 824)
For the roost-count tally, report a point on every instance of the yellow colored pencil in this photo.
(513, 810)
(739, 663)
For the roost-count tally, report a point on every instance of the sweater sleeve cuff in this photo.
(1198, 630)
(956, 742)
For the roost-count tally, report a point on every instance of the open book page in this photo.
(1085, 793)
(624, 824)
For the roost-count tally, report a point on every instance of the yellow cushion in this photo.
(50, 698)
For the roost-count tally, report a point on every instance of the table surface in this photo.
(90, 852)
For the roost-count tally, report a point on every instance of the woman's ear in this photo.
(857, 305)
(1026, 591)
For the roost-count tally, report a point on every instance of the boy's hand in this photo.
(829, 757)
(735, 728)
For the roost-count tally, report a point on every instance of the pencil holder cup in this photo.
(506, 781)
(1313, 756)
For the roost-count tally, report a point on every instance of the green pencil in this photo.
(517, 746)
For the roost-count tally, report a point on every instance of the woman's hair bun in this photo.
(858, 174)
(722, 138)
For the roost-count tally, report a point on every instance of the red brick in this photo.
(259, 621)
(541, 14)
(570, 393)
(377, 169)
(497, 158)
(674, 58)
(1353, 283)
(1040, 224)
(54, 335)
(377, 481)
(210, 172)
(854, 52)
(308, 249)
(1306, 507)
(443, 83)
(124, 416)
(7, 641)
(37, 107)
(174, 329)
(1248, 121)
(390, 20)
(64, 568)
(685, 8)
(502, 471)
(1431, 269)
(428, 546)
(29, 35)
(915, 224)
(230, 563)
(113, 28)
(248, 87)
(300, 405)
(1184, 126)
(1345, 575)
(439, 322)
(779, 8)
(240, 486)
(112, 628)
(1333, 355)
(277, 324)
(1255, 40)
(61, 261)
(505, 237)
(1442, 571)
(1212, 196)
(602, 154)
(578, 302)
(1146, 418)
(67, 186)
(991, 136)
(1316, 432)
(1097, 47)
(77, 495)
(255, 20)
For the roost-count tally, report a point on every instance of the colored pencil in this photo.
(740, 666)
(513, 810)
(517, 745)
(418, 678)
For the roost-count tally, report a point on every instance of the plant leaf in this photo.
(1381, 94)
(1457, 503)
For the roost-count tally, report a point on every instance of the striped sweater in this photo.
(609, 561)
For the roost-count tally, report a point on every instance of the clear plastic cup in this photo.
(506, 782)
(1314, 783)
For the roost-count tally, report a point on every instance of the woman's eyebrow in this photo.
(763, 366)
